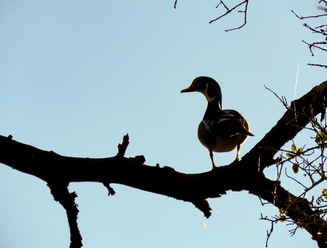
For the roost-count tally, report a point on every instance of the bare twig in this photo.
(246, 2)
(282, 99)
(221, 2)
(245, 11)
(111, 191)
(324, 66)
(123, 146)
(175, 4)
(314, 45)
(315, 30)
(307, 17)
(269, 232)
(294, 179)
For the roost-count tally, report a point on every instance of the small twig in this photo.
(111, 191)
(271, 228)
(270, 232)
(321, 26)
(314, 45)
(221, 2)
(314, 30)
(245, 11)
(324, 66)
(307, 17)
(294, 179)
(175, 4)
(282, 99)
(123, 146)
(230, 10)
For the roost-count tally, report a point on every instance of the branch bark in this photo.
(247, 174)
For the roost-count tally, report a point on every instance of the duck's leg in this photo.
(238, 152)
(211, 156)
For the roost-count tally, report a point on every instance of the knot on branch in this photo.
(140, 159)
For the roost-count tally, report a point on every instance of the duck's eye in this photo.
(200, 85)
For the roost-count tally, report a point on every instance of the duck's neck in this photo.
(212, 108)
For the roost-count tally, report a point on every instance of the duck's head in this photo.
(208, 87)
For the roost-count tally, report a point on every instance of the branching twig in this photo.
(270, 232)
(318, 30)
(314, 45)
(246, 2)
(307, 17)
(281, 99)
(315, 30)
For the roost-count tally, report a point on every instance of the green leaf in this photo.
(293, 148)
(282, 211)
(321, 138)
(289, 155)
(324, 193)
(282, 218)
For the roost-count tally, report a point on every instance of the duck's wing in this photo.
(226, 124)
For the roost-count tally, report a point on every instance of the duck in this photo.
(221, 130)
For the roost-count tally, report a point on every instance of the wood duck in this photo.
(220, 130)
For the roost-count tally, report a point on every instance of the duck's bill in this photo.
(189, 89)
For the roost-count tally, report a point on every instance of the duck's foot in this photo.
(213, 165)
(236, 159)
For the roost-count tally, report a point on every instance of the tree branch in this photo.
(59, 171)
(67, 200)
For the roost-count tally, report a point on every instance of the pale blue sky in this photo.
(76, 76)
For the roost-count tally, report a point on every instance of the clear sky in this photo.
(76, 76)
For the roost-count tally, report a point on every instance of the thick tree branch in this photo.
(246, 174)
(288, 126)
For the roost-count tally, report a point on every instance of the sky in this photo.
(76, 76)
